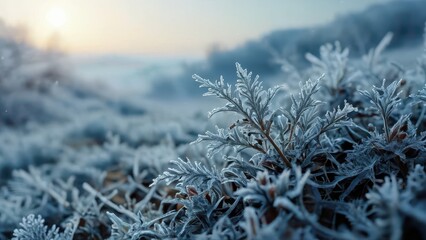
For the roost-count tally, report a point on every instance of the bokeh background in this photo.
(153, 47)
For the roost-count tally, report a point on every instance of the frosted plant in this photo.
(265, 130)
(33, 228)
(332, 63)
(422, 59)
(375, 67)
(251, 102)
(385, 100)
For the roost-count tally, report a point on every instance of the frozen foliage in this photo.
(308, 170)
(69, 153)
(33, 228)
(341, 158)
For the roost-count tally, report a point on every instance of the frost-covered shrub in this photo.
(338, 162)
(33, 228)
(341, 158)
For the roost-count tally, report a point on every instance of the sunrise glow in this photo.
(56, 18)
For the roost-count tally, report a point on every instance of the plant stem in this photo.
(283, 157)
(261, 129)
(386, 128)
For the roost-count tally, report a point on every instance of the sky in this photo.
(163, 27)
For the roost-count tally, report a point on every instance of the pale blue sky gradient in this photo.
(169, 27)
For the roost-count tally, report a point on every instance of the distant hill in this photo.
(358, 31)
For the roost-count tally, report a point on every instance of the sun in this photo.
(56, 17)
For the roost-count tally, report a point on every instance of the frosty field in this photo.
(304, 133)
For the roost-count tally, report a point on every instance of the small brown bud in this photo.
(263, 180)
(271, 192)
(402, 136)
(191, 190)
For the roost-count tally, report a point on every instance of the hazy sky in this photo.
(170, 27)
